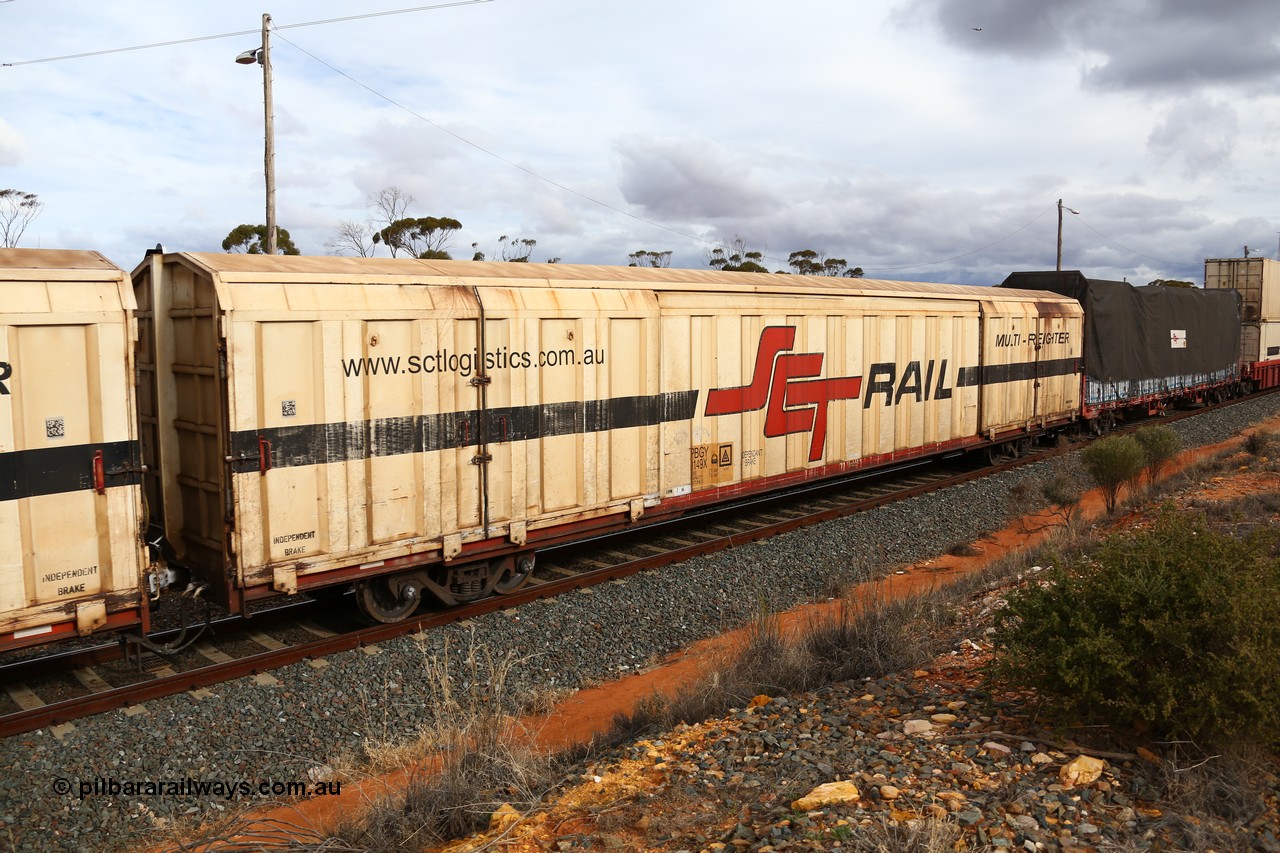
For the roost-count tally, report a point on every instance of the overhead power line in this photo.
(367, 15)
(239, 33)
(596, 201)
(973, 252)
(1119, 245)
(499, 157)
(276, 27)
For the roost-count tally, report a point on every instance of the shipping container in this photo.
(1257, 280)
(71, 560)
(416, 425)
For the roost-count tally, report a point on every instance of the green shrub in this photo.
(1062, 493)
(1159, 444)
(1112, 462)
(1259, 443)
(1174, 627)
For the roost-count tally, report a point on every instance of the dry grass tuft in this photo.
(865, 637)
(926, 835)
(471, 760)
(1227, 786)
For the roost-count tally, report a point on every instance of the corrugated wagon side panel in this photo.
(811, 340)
(289, 365)
(676, 372)
(506, 471)
(912, 356)
(562, 457)
(1031, 353)
(69, 498)
(1007, 347)
(624, 451)
(880, 346)
(52, 412)
(1061, 336)
(839, 342)
(573, 403)
(783, 393)
(358, 423)
(396, 495)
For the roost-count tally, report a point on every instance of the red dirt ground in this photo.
(590, 711)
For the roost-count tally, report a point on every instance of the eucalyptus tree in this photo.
(18, 209)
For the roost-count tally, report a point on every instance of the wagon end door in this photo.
(1057, 342)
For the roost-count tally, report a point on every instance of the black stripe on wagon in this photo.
(57, 470)
(318, 444)
(993, 374)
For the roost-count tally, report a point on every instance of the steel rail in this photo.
(67, 710)
(224, 626)
(875, 492)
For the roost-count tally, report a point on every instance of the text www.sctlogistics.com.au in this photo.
(228, 789)
(464, 363)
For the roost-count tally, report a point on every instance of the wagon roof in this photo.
(57, 259)
(245, 268)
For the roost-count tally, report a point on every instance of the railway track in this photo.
(55, 689)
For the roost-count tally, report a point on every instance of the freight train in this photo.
(231, 428)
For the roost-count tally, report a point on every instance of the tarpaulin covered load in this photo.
(1141, 342)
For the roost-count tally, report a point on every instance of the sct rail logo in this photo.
(783, 382)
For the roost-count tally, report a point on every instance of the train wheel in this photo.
(515, 575)
(387, 600)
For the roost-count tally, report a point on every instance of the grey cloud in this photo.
(906, 230)
(1147, 45)
(688, 179)
(1012, 27)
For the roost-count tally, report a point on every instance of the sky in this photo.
(924, 140)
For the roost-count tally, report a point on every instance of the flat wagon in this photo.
(419, 427)
(1146, 348)
(71, 559)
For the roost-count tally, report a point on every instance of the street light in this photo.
(1060, 209)
(262, 56)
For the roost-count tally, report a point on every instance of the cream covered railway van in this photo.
(420, 427)
(70, 555)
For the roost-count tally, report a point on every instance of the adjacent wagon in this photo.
(419, 427)
(1146, 348)
(71, 559)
